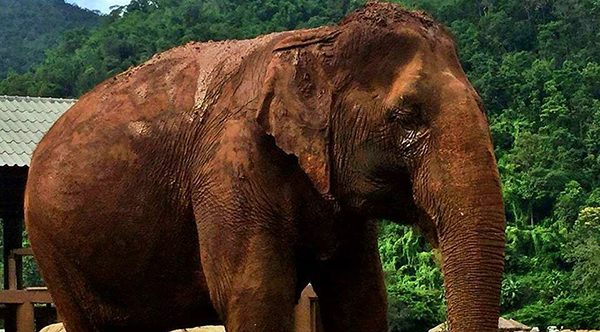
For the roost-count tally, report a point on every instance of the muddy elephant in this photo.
(210, 184)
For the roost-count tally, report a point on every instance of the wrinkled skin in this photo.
(212, 183)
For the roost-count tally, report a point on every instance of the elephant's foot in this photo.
(261, 312)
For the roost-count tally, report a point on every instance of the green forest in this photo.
(536, 63)
(30, 27)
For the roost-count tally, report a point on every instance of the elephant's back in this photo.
(146, 104)
(167, 86)
(138, 114)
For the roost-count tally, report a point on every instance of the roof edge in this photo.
(38, 98)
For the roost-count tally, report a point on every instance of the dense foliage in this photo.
(29, 27)
(536, 63)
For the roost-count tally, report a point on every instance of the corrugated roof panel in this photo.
(37, 136)
(4, 125)
(15, 159)
(4, 146)
(23, 123)
(30, 127)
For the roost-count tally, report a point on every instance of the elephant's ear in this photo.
(296, 103)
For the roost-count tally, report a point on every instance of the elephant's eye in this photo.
(398, 114)
(407, 116)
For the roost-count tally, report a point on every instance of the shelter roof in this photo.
(23, 123)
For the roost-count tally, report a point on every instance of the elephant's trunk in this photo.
(473, 259)
(467, 206)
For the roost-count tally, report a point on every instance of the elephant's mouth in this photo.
(427, 227)
(394, 200)
(385, 195)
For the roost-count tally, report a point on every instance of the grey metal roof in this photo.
(23, 123)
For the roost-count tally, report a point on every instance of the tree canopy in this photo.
(29, 27)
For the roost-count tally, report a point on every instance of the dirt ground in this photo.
(59, 328)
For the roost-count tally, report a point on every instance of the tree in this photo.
(583, 249)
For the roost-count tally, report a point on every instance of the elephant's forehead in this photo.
(405, 82)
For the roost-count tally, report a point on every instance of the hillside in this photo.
(536, 63)
(29, 27)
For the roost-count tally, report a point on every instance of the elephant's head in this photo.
(383, 119)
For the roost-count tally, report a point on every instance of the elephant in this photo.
(211, 184)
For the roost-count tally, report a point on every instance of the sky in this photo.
(101, 5)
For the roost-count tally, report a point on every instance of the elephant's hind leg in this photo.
(64, 282)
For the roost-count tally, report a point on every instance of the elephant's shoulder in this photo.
(237, 144)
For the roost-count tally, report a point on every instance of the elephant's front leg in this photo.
(250, 274)
(350, 286)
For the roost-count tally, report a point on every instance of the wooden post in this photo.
(13, 277)
(13, 239)
(307, 312)
(12, 273)
(12, 181)
(25, 317)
